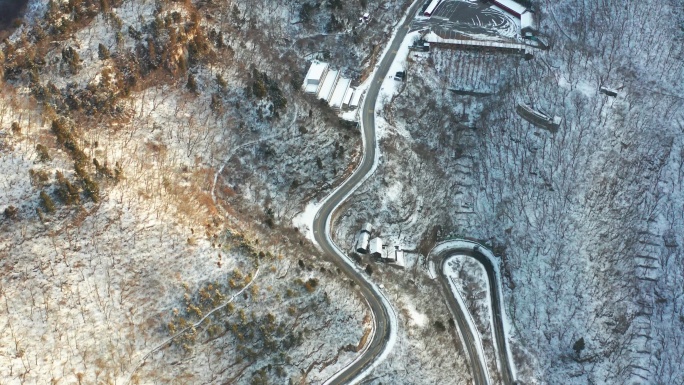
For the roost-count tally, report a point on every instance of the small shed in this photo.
(356, 98)
(347, 97)
(400, 75)
(528, 27)
(375, 247)
(511, 7)
(608, 91)
(398, 257)
(420, 45)
(363, 239)
(367, 227)
(362, 242)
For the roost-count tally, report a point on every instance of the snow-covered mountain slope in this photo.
(153, 155)
(585, 219)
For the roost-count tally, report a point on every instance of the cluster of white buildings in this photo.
(330, 86)
(374, 246)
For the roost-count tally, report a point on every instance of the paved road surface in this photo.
(323, 217)
(478, 371)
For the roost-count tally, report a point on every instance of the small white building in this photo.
(347, 97)
(313, 80)
(375, 247)
(608, 91)
(363, 239)
(397, 259)
(527, 24)
(356, 99)
(362, 243)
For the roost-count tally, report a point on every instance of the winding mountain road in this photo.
(439, 256)
(379, 306)
(323, 219)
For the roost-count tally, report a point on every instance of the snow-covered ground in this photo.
(585, 220)
(207, 176)
(468, 282)
(120, 269)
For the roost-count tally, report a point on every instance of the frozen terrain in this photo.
(585, 219)
(155, 154)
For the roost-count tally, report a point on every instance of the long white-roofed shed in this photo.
(362, 242)
(510, 6)
(315, 76)
(347, 97)
(328, 85)
(375, 247)
(356, 98)
(337, 98)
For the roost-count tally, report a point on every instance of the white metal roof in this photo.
(316, 70)
(367, 227)
(434, 38)
(356, 99)
(312, 82)
(375, 245)
(328, 85)
(348, 96)
(362, 241)
(608, 89)
(399, 255)
(512, 5)
(340, 91)
(527, 20)
(432, 6)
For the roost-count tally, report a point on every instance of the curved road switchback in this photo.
(439, 254)
(323, 219)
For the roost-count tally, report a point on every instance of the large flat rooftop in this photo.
(328, 85)
(340, 91)
(316, 70)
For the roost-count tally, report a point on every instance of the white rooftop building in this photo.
(331, 86)
(367, 227)
(363, 239)
(313, 80)
(347, 97)
(398, 258)
(375, 247)
(338, 95)
(356, 99)
(510, 6)
(527, 23)
(328, 85)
